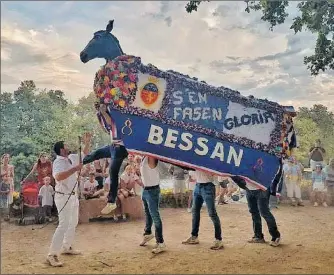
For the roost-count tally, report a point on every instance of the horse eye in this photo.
(97, 37)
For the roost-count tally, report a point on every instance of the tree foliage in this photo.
(311, 124)
(315, 16)
(32, 120)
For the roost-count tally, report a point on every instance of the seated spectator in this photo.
(4, 191)
(137, 162)
(128, 180)
(90, 187)
(318, 195)
(46, 194)
(99, 174)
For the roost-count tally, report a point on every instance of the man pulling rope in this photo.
(65, 169)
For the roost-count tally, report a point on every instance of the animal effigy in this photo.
(187, 122)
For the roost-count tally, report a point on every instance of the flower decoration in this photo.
(116, 84)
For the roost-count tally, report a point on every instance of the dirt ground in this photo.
(307, 246)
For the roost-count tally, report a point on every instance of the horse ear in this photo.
(110, 26)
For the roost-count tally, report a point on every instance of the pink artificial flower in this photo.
(125, 91)
(132, 77)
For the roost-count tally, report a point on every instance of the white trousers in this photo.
(293, 189)
(68, 221)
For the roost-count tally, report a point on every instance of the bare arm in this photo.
(33, 170)
(171, 170)
(64, 175)
(13, 175)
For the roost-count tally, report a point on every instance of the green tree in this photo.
(307, 132)
(315, 16)
(324, 120)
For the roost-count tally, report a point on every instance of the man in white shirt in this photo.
(67, 203)
(150, 174)
(205, 191)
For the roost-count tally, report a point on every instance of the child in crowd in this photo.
(4, 191)
(293, 176)
(318, 185)
(128, 180)
(46, 194)
(90, 187)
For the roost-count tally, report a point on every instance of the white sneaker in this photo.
(115, 218)
(54, 261)
(161, 247)
(108, 208)
(315, 204)
(217, 244)
(146, 239)
(325, 204)
(191, 240)
(124, 217)
(71, 251)
(276, 242)
(189, 210)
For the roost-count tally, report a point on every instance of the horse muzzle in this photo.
(84, 57)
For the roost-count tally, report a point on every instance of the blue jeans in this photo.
(151, 200)
(273, 202)
(258, 204)
(117, 154)
(205, 192)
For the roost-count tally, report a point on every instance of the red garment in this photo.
(44, 170)
(30, 194)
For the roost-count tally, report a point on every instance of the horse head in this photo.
(103, 45)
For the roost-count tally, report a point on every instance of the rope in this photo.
(48, 222)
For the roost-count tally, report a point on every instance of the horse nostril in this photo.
(83, 57)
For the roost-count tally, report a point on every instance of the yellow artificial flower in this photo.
(121, 103)
(113, 91)
(132, 85)
(122, 74)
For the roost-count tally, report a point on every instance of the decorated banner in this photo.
(193, 149)
(182, 120)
